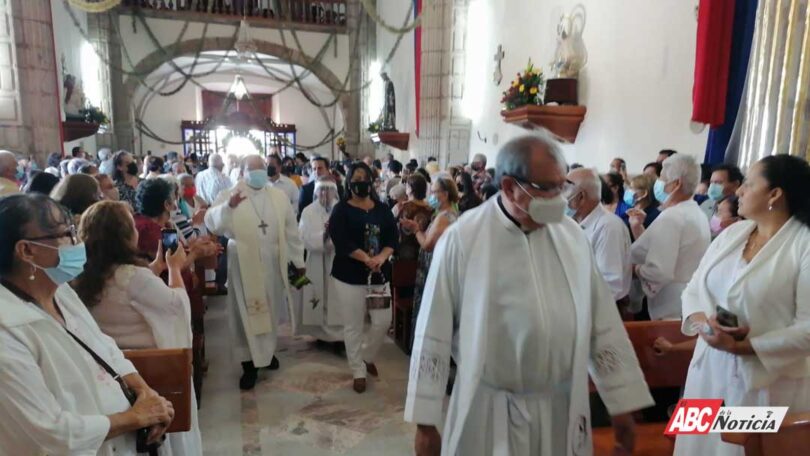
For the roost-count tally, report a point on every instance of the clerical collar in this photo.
(508, 215)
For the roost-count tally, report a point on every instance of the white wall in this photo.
(164, 114)
(637, 85)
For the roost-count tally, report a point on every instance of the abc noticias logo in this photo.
(704, 416)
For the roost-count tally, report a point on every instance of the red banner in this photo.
(714, 34)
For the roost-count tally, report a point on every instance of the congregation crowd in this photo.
(86, 272)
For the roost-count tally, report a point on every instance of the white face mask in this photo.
(544, 211)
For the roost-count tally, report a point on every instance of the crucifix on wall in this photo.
(497, 76)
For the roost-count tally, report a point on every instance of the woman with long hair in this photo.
(469, 199)
(129, 300)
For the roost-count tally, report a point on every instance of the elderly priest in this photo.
(526, 316)
(263, 238)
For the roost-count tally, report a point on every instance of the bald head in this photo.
(8, 165)
(587, 181)
(252, 162)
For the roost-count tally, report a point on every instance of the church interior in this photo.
(344, 227)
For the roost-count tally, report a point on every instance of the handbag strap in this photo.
(98, 359)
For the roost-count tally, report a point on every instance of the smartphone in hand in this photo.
(727, 318)
(170, 241)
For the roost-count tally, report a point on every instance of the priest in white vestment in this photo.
(515, 297)
(317, 314)
(263, 238)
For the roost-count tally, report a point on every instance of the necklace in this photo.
(753, 244)
(262, 225)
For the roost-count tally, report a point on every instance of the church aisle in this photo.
(307, 407)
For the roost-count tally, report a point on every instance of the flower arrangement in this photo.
(93, 114)
(375, 127)
(526, 89)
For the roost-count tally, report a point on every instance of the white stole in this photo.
(245, 222)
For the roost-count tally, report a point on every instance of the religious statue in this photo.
(389, 114)
(74, 97)
(571, 55)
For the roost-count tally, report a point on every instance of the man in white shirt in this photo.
(608, 235)
(105, 161)
(667, 254)
(212, 181)
(525, 336)
(282, 182)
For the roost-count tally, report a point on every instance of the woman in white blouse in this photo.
(54, 397)
(759, 270)
(667, 253)
(129, 300)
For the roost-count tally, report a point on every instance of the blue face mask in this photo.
(715, 192)
(433, 201)
(660, 194)
(630, 197)
(71, 263)
(20, 172)
(257, 178)
(570, 212)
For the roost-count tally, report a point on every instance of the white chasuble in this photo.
(263, 239)
(525, 317)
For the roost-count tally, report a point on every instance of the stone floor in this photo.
(307, 407)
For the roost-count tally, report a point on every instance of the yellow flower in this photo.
(533, 90)
(522, 88)
(515, 83)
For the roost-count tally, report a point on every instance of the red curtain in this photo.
(258, 108)
(714, 34)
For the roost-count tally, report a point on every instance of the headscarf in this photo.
(329, 185)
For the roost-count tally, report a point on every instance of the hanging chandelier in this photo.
(238, 88)
(245, 46)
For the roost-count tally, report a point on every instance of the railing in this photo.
(314, 12)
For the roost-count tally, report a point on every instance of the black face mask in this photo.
(271, 171)
(361, 189)
(132, 169)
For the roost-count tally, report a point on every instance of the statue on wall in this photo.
(74, 97)
(571, 55)
(389, 114)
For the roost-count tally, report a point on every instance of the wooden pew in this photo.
(660, 372)
(793, 438)
(403, 276)
(169, 373)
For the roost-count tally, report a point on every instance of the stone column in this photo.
(356, 25)
(444, 132)
(30, 116)
(109, 44)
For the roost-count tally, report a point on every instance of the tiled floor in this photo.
(306, 408)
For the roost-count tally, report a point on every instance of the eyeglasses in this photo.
(566, 186)
(70, 232)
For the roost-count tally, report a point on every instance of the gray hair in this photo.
(8, 161)
(76, 165)
(104, 153)
(480, 158)
(683, 167)
(215, 160)
(514, 158)
(182, 176)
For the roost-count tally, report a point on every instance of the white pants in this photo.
(351, 300)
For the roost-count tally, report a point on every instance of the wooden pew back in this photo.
(664, 371)
(793, 438)
(169, 373)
